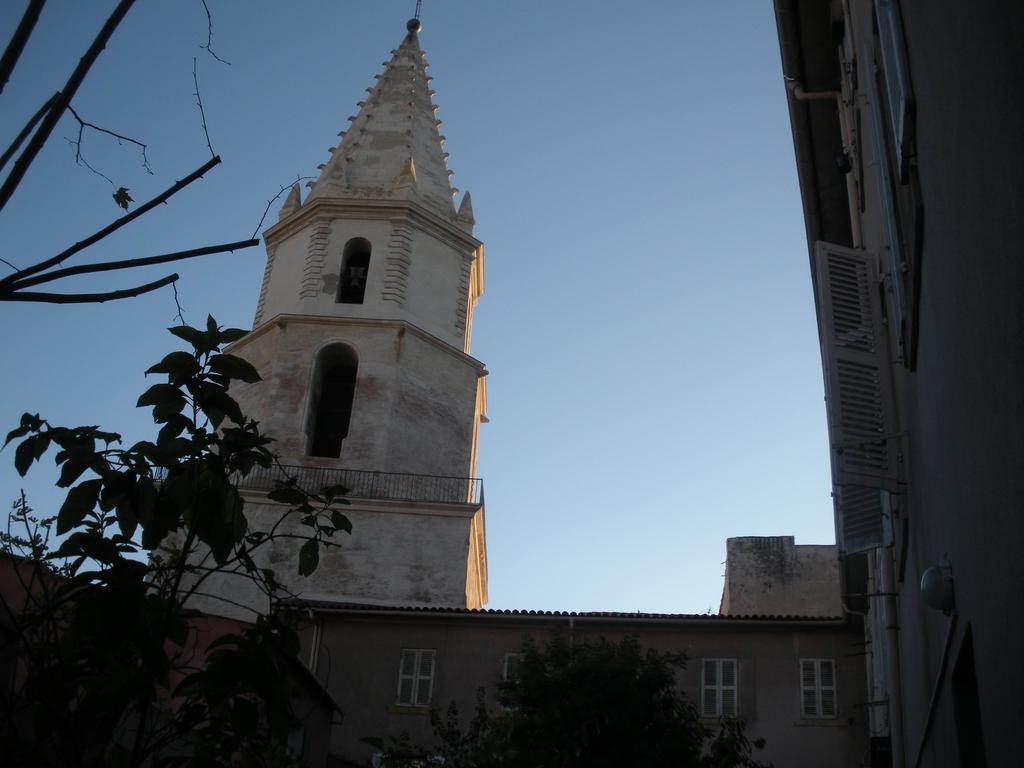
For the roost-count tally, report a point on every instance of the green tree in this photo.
(97, 634)
(592, 704)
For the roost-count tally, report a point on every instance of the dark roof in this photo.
(327, 605)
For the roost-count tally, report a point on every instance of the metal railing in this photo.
(361, 484)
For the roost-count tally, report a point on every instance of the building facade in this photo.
(361, 338)
(798, 682)
(907, 130)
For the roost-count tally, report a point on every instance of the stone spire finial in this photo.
(395, 130)
(465, 214)
(291, 203)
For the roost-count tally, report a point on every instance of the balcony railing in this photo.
(395, 486)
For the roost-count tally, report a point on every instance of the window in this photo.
(817, 688)
(333, 391)
(718, 688)
(510, 669)
(355, 267)
(416, 677)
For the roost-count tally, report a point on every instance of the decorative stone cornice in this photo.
(282, 321)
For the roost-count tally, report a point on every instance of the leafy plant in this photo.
(100, 630)
(590, 704)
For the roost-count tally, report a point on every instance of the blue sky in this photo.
(655, 381)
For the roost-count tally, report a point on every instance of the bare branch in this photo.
(113, 227)
(108, 266)
(80, 159)
(22, 164)
(270, 202)
(26, 130)
(209, 36)
(20, 37)
(88, 298)
(181, 313)
(83, 124)
(202, 112)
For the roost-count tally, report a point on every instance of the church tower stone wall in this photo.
(361, 337)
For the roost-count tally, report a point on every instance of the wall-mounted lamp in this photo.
(937, 586)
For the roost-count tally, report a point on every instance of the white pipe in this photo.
(800, 94)
(883, 560)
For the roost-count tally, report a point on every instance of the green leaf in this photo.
(211, 325)
(126, 517)
(29, 450)
(229, 335)
(80, 501)
(340, 522)
(29, 423)
(234, 368)
(309, 557)
(159, 394)
(73, 469)
(193, 336)
(287, 495)
(177, 365)
(331, 492)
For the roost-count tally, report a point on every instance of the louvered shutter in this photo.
(709, 692)
(425, 677)
(826, 679)
(728, 687)
(808, 688)
(406, 676)
(858, 392)
(897, 78)
(895, 261)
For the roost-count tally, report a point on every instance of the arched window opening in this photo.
(334, 388)
(355, 266)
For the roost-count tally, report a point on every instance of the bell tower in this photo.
(361, 337)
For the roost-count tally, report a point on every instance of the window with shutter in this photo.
(858, 392)
(416, 676)
(895, 264)
(817, 688)
(718, 688)
(896, 75)
(510, 669)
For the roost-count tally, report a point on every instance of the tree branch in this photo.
(270, 202)
(21, 165)
(27, 130)
(113, 227)
(108, 266)
(20, 37)
(202, 112)
(209, 36)
(89, 298)
(83, 124)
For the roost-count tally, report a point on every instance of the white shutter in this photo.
(718, 688)
(416, 676)
(808, 688)
(728, 687)
(425, 677)
(895, 262)
(709, 689)
(510, 670)
(858, 392)
(826, 678)
(897, 78)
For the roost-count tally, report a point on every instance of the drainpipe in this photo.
(887, 588)
(798, 93)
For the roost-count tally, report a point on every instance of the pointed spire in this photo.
(393, 149)
(465, 214)
(291, 203)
